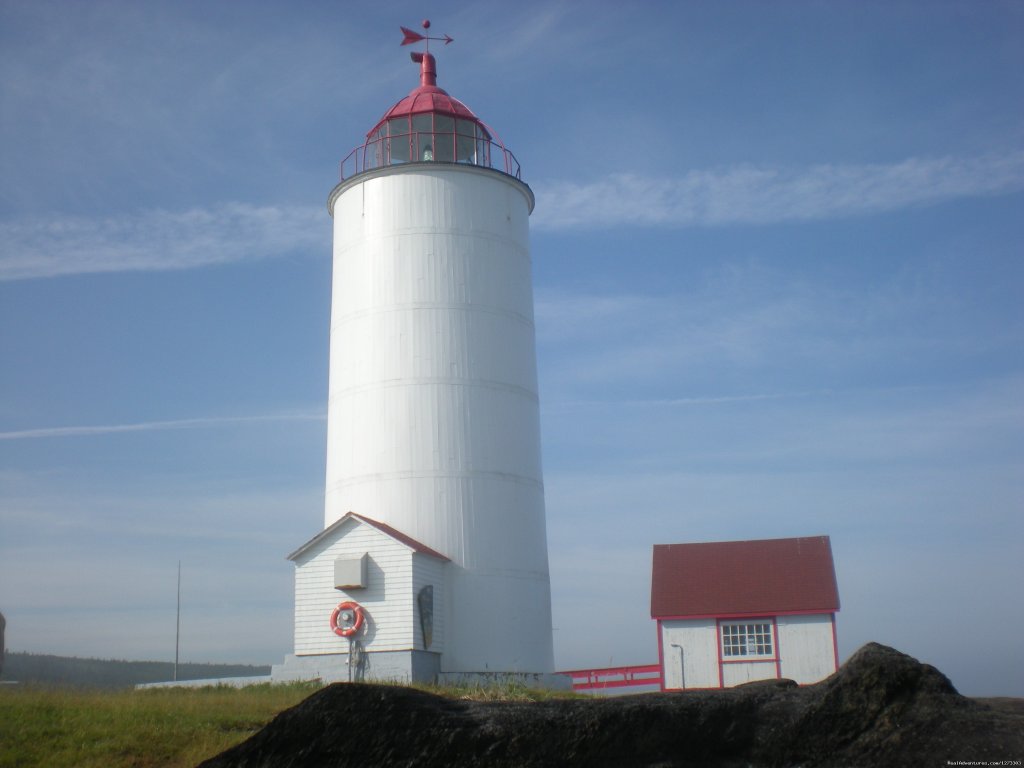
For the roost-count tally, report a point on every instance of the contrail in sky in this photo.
(148, 426)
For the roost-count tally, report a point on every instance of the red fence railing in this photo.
(614, 677)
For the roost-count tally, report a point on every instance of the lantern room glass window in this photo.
(431, 137)
(746, 640)
(444, 138)
(398, 141)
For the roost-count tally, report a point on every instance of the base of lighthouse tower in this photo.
(433, 564)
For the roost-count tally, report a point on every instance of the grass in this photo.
(164, 727)
(505, 691)
(161, 728)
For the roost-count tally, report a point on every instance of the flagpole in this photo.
(177, 628)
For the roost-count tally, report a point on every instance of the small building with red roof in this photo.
(389, 621)
(732, 612)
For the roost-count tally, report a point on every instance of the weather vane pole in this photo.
(412, 36)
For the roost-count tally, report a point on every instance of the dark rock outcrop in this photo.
(881, 708)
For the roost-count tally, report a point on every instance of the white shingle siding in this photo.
(739, 672)
(427, 570)
(806, 653)
(697, 639)
(808, 650)
(387, 599)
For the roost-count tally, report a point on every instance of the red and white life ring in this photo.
(352, 616)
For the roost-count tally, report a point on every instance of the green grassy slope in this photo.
(163, 728)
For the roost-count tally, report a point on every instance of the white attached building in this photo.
(732, 612)
(399, 585)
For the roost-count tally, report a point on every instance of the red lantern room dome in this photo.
(429, 126)
(428, 97)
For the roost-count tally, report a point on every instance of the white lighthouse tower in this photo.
(433, 561)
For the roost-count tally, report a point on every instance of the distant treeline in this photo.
(43, 669)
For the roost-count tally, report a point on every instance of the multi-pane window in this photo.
(430, 136)
(748, 639)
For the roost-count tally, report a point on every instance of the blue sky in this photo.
(777, 259)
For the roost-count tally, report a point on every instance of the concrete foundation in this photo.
(393, 666)
(390, 666)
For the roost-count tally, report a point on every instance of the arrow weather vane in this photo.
(412, 36)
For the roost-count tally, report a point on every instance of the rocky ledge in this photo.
(882, 708)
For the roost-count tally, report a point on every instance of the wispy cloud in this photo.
(674, 402)
(761, 195)
(149, 426)
(158, 240)
(230, 232)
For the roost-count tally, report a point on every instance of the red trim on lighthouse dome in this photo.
(430, 126)
(428, 98)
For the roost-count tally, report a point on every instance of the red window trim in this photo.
(776, 657)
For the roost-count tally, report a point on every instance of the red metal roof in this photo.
(382, 527)
(428, 97)
(399, 536)
(722, 578)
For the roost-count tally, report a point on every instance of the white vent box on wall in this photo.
(350, 572)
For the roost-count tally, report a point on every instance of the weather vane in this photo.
(412, 36)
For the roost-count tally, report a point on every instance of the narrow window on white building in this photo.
(747, 639)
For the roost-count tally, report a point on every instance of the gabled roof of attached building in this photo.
(723, 578)
(394, 533)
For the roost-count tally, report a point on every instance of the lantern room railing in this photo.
(427, 147)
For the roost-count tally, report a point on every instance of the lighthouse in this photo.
(432, 564)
